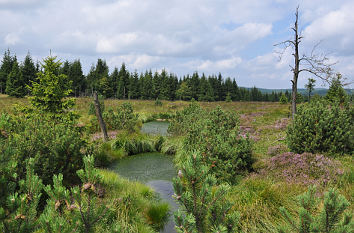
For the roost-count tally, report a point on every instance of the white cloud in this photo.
(11, 39)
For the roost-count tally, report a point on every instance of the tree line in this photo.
(16, 78)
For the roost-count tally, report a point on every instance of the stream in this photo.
(153, 169)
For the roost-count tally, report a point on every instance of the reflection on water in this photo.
(155, 170)
(155, 128)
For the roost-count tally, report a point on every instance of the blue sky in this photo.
(232, 37)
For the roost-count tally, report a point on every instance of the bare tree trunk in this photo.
(99, 116)
(296, 69)
(315, 64)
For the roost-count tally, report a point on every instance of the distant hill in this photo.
(303, 91)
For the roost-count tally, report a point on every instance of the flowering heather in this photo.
(303, 168)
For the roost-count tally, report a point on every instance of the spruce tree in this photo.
(77, 77)
(5, 69)
(310, 87)
(29, 71)
(50, 90)
(15, 85)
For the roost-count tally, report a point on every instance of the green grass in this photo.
(139, 209)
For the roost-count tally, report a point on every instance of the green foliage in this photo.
(123, 118)
(158, 102)
(5, 69)
(310, 87)
(204, 205)
(184, 92)
(134, 144)
(336, 93)
(321, 126)
(79, 209)
(19, 212)
(183, 119)
(158, 215)
(217, 137)
(331, 218)
(55, 146)
(15, 85)
(50, 89)
(283, 99)
(228, 97)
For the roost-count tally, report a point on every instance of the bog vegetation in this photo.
(241, 167)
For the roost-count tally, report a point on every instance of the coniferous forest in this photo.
(121, 83)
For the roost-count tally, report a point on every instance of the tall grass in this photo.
(139, 209)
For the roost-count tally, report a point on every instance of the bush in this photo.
(123, 118)
(55, 145)
(216, 135)
(321, 126)
(183, 119)
(331, 218)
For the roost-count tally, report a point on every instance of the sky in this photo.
(233, 37)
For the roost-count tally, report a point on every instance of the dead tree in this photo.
(99, 116)
(316, 64)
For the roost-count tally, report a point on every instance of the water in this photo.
(155, 170)
(155, 128)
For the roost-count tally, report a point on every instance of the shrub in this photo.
(123, 118)
(203, 204)
(283, 99)
(19, 212)
(331, 218)
(217, 137)
(81, 208)
(183, 119)
(320, 126)
(55, 145)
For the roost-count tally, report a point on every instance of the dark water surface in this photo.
(155, 170)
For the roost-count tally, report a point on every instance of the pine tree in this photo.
(20, 214)
(15, 85)
(204, 207)
(331, 218)
(79, 209)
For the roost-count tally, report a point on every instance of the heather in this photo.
(306, 169)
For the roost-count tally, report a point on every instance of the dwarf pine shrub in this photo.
(322, 126)
(217, 137)
(204, 207)
(330, 218)
(18, 208)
